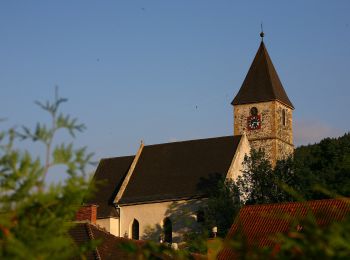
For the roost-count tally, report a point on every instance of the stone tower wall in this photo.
(242, 112)
(283, 150)
(268, 146)
(284, 132)
(275, 138)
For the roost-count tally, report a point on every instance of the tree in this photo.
(260, 183)
(35, 216)
(217, 210)
(222, 205)
(327, 164)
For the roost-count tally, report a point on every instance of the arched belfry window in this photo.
(253, 111)
(168, 230)
(284, 117)
(135, 227)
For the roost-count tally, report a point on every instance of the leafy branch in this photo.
(43, 133)
(35, 218)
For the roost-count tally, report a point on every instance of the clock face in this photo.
(254, 122)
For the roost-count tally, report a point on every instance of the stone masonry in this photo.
(275, 136)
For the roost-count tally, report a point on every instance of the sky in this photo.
(162, 71)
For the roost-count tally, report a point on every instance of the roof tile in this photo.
(109, 245)
(259, 223)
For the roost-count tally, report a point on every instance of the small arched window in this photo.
(284, 122)
(168, 230)
(135, 230)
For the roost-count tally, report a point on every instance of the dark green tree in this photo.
(260, 183)
(219, 208)
(222, 205)
(326, 164)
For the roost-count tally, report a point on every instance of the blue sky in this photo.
(167, 70)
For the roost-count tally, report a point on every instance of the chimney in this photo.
(87, 212)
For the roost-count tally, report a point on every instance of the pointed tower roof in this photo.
(262, 82)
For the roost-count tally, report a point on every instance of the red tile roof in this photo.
(109, 245)
(259, 223)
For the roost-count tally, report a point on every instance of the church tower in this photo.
(263, 110)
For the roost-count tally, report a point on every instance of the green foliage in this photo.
(316, 171)
(314, 241)
(222, 205)
(196, 242)
(260, 183)
(327, 164)
(35, 217)
(153, 251)
(219, 210)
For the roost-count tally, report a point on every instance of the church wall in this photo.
(151, 216)
(236, 167)
(111, 225)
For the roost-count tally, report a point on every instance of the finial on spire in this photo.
(262, 32)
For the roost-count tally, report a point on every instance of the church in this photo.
(156, 195)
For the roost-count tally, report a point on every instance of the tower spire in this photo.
(262, 83)
(262, 32)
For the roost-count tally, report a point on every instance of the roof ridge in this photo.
(111, 158)
(91, 236)
(99, 228)
(296, 202)
(272, 70)
(267, 56)
(128, 175)
(192, 140)
(145, 201)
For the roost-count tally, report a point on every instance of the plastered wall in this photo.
(151, 216)
(111, 225)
